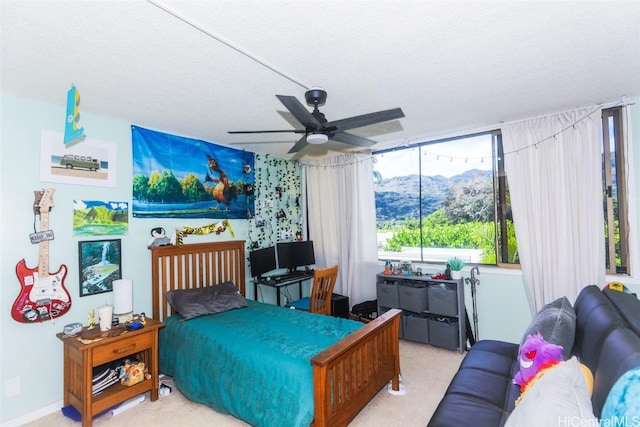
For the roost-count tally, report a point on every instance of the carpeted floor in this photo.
(426, 373)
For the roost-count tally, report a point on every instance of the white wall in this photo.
(30, 353)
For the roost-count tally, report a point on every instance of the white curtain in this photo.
(342, 221)
(554, 169)
(632, 199)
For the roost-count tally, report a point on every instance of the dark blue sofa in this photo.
(607, 341)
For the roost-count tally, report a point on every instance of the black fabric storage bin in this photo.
(443, 300)
(415, 327)
(388, 294)
(443, 333)
(413, 298)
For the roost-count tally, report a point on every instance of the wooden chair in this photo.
(324, 280)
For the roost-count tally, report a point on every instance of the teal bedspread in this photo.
(253, 363)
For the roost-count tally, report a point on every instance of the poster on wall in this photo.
(92, 162)
(177, 177)
(100, 218)
(100, 263)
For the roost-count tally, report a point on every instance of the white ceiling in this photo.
(202, 68)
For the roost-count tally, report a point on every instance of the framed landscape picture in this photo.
(100, 263)
(94, 218)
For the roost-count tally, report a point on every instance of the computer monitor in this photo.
(292, 255)
(285, 256)
(304, 254)
(262, 261)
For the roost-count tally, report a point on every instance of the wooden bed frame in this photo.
(346, 376)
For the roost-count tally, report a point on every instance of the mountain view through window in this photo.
(436, 201)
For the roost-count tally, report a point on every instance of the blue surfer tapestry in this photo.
(177, 177)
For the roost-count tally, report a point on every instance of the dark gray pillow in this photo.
(191, 303)
(556, 322)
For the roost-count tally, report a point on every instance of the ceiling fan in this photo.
(317, 130)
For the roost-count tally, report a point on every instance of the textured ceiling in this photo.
(202, 68)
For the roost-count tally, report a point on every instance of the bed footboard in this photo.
(349, 374)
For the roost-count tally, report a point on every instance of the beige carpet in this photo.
(426, 372)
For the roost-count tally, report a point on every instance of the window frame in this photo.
(496, 136)
(500, 204)
(615, 114)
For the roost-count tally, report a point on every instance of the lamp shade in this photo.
(317, 138)
(122, 296)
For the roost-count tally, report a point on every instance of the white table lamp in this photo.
(123, 300)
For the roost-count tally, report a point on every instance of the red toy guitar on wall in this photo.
(43, 295)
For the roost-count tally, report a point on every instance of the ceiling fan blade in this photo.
(268, 131)
(299, 111)
(366, 119)
(351, 139)
(302, 142)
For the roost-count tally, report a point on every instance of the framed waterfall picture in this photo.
(100, 263)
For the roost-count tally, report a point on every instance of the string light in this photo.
(553, 137)
(419, 142)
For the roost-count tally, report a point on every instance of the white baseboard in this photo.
(33, 415)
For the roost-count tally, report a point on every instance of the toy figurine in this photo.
(158, 238)
(535, 355)
(387, 268)
(92, 319)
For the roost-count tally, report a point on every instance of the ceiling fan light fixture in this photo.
(317, 138)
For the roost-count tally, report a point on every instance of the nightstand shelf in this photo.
(80, 359)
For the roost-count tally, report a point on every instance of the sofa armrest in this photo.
(620, 352)
(628, 306)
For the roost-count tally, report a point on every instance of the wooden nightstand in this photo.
(80, 359)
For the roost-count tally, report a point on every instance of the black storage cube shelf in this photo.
(443, 299)
(432, 309)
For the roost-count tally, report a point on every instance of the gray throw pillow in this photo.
(556, 322)
(191, 303)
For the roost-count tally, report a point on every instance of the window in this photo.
(444, 199)
(616, 227)
(450, 197)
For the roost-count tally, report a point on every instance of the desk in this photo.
(279, 284)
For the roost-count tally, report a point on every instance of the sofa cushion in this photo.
(482, 386)
(559, 397)
(462, 410)
(556, 322)
(481, 392)
(596, 317)
(493, 356)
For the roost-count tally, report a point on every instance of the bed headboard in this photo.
(194, 265)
